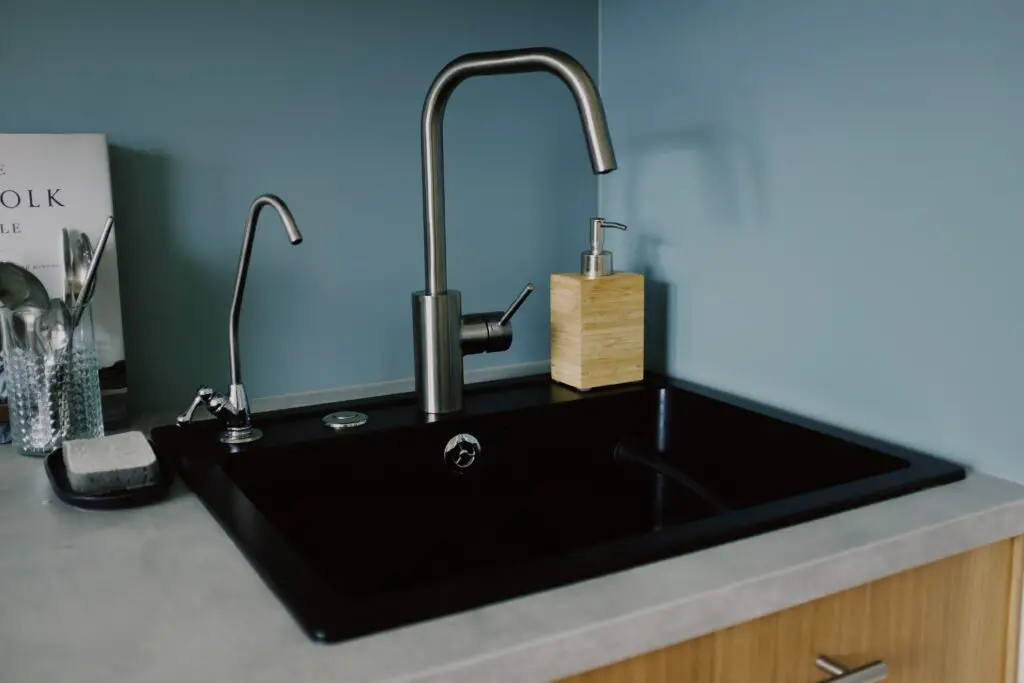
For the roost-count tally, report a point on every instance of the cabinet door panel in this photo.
(954, 621)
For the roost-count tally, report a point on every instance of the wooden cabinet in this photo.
(953, 621)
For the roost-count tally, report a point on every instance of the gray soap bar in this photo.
(110, 463)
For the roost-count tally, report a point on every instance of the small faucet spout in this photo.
(570, 71)
(294, 236)
(233, 410)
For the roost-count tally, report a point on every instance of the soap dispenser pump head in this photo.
(597, 261)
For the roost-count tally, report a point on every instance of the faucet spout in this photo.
(442, 335)
(562, 65)
(294, 236)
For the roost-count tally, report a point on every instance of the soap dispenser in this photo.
(597, 320)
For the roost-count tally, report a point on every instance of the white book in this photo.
(54, 181)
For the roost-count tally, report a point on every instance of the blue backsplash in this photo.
(827, 197)
(207, 104)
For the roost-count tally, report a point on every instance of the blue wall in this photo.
(209, 103)
(827, 196)
(824, 195)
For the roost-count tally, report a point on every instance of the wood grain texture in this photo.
(1013, 644)
(597, 329)
(946, 622)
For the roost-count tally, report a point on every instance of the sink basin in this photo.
(374, 527)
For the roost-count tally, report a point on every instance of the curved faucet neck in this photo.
(294, 236)
(570, 71)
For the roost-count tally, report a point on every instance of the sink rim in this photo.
(329, 616)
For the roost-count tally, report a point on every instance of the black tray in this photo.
(56, 472)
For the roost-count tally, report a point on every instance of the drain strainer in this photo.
(345, 419)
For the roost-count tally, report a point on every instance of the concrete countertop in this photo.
(161, 595)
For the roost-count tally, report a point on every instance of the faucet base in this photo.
(239, 435)
(437, 331)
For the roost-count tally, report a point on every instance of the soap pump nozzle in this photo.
(597, 261)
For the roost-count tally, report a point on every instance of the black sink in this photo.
(374, 527)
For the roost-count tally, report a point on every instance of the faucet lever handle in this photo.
(511, 310)
(203, 397)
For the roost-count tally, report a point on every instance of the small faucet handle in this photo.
(492, 331)
(511, 310)
(203, 397)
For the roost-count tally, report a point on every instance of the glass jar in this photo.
(53, 390)
(85, 406)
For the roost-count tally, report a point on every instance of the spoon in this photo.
(70, 281)
(54, 328)
(20, 287)
(81, 264)
(23, 325)
(89, 281)
(77, 250)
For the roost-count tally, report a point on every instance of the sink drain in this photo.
(461, 451)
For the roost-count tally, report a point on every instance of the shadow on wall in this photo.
(683, 191)
(705, 162)
(659, 295)
(163, 287)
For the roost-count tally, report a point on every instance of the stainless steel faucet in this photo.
(442, 335)
(233, 410)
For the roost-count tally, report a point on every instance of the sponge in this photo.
(110, 463)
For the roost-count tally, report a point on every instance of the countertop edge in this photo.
(690, 616)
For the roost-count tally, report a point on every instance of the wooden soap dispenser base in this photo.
(597, 320)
